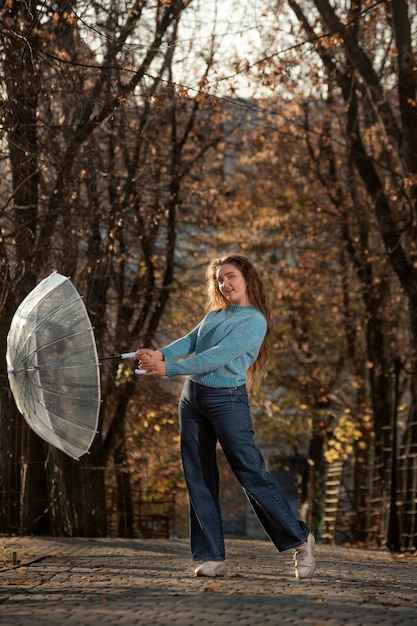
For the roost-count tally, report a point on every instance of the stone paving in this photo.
(86, 582)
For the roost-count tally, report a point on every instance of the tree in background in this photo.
(118, 176)
(99, 161)
(350, 81)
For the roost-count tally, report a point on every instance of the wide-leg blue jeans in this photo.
(208, 415)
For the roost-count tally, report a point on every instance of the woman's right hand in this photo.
(151, 361)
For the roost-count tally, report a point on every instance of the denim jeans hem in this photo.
(296, 545)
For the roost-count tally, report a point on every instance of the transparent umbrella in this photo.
(53, 366)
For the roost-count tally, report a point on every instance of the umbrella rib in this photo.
(55, 366)
(64, 419)
(84, 331)
(77, 298)
(68, 395)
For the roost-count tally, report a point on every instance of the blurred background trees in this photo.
(130, 158)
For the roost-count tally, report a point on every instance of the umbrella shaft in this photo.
(23, 369)
(124, 355)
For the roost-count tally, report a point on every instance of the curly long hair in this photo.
(257, 298)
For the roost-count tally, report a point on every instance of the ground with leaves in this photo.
(91, 581)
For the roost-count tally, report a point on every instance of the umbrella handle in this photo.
(127, 355)
(132, 355)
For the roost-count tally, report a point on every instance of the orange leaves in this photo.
(212, 587)
(15, 582)
(71, 20)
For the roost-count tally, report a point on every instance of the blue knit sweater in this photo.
(220, 348)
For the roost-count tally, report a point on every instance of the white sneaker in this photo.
(211, 568)
(304, 561)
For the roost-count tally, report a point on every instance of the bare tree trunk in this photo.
(370, 103)
(22, 84)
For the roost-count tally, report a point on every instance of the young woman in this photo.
(223, 354)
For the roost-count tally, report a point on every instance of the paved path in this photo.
(86, 582)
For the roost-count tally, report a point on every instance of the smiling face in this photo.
(232, 284)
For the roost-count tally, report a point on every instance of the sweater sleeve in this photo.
(182, 347)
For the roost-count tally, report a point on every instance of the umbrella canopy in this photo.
(53, 366)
